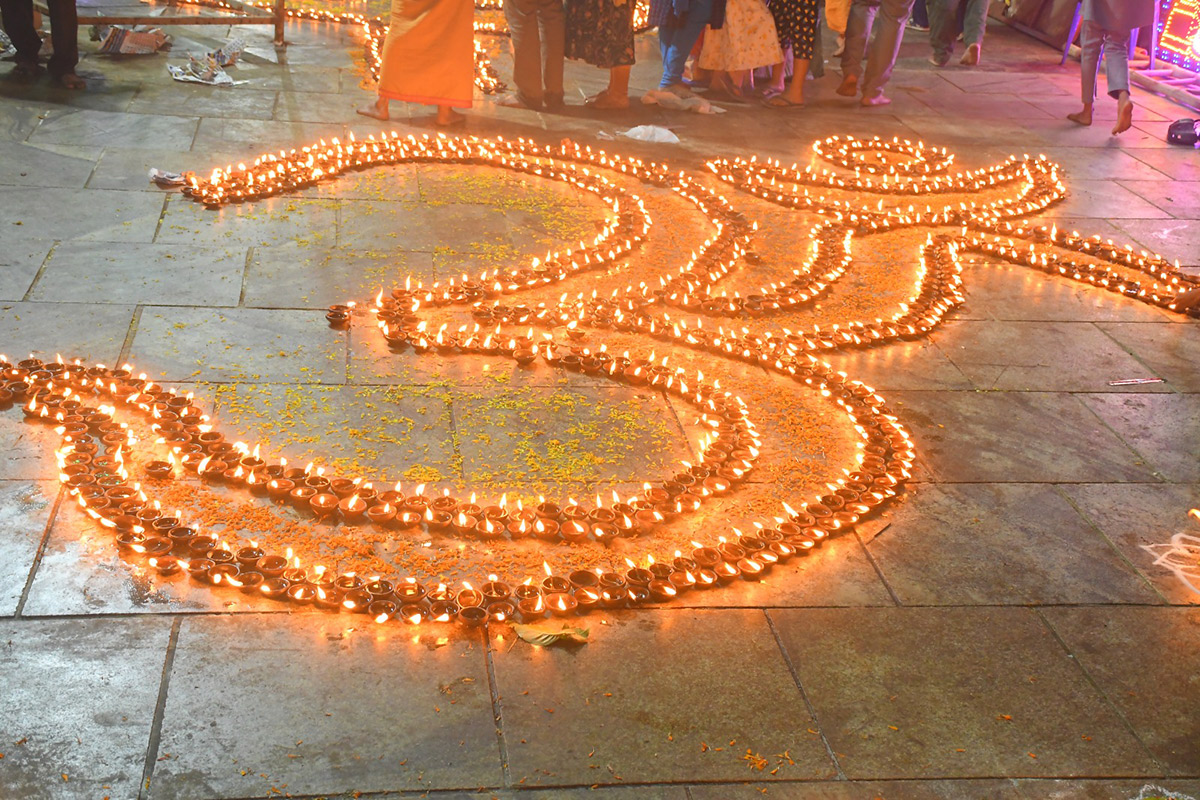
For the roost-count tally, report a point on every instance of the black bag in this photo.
(1184, 131)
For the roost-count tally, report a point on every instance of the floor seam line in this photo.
(497, 707)
(41, 551)
(156, 723)
(812, 712)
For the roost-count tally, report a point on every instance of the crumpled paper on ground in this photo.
(164, 178)
(122, 40)
(202, 70)
(662, 97)
(6, 46)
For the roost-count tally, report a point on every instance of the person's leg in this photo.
(64, 35)
(18, 24)
(802, 52)
(884, 49)
(1091, 47)
(521, 16)
(680, 47)
(943, 16)
(553, 29)
(920, 15)
(858, 30)
(1116, 73)
(974, 25)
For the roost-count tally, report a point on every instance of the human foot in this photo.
(26, 69)
(971, 57)
(1124, 114)
(1083, 117)
(377, 111)
(518, 100)
(849, 87)
(679, 90)
(447, 116)
(69, 80)
(878, 99)
(939, 60)
(607, 101)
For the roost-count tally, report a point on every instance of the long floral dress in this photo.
(600, 32)
(746, 41)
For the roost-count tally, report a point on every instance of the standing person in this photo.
(744, 43)
(1107, 25)
(884, 48)
(600, 33)
(64, 36)
(680, 23)
(796, 21)
(943, 29)
(536, 29)
(428, 58)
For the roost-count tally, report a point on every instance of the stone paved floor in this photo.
(1004, 637)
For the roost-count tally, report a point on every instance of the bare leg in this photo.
(616, 95)
(1124, 113)
(379, 110)
(794, 93)
(448, 116)
(778, 79)
(1083, 117)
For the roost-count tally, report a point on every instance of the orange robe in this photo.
(429, 53)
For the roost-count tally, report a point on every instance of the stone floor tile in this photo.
(941, 692)
(905, 365)
(716, 680)
(1175, 240)
(860, 790)
(1155, 426)
(381, 183)
(71, 213)
(238, 344)
(318, 704)
(276, 221)
(47, 165)
(313, 106)
(964, 544)
(128, 167)
(1008, 292)
(74, 330)
(1145, 660)
(1113, 789)
(295, 276)
(1179, 198)
(87, 690)
(298, 79)
(249, 102)
(1169, 350)
(555, 434)
(24, 511)
(1090, 197)
(18, 119)
(386, 433)
(994, 105)
(252, 137)
(136, 273)
(1016, 356)
(82, 572)
(20, 260)
(389, 226)
(1133, 515)
(1170, 164)
(113, 129)
(1046, 438)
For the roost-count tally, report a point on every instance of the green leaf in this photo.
(544, 634)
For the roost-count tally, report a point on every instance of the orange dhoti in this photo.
(429, 54)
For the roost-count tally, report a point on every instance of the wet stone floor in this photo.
(1000, 632)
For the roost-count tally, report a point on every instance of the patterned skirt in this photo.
(599, 32)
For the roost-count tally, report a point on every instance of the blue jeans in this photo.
(677, 43)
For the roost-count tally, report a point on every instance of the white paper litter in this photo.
(662, 97)
(202, 70)
(123, 40)
(164, 178)
(650, 133)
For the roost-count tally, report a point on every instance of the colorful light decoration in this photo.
(87, 404)
(1179, 34)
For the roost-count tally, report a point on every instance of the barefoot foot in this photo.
(849, 86)
(1124, 114)
(971, 57)
(1083, 117)
(447, 116)
(377, 111)
(879, 99)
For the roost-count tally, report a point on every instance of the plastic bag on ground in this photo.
(650, 133)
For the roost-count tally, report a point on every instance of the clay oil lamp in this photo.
(159, 470)
(561, 605)
(546, 529)
(584, 579)
(463, 524)
(382, 610)
(128, 540)
(224, 575)
(382, 514)
(527, 590)
(248, 557)
(604, 532)
(251, 582)
(659, 570)
(447, 610)
(587, 599)
(154, 546)
(279, 488)
(407, 519)
(221, 555)
(706, 578)
(409, 592)
(272, 566)
(323, 505)
(555, 584)
(495, 591)
(726, 572)
(357, 600)
(638, 576)
(501, 611)
(338, 316)
(165, 565)
(662, 591)
(352, 508)
(412, 614)
(343, 487)
(470, 596)
(381, 589)
(518, 529)
(531, 608)
(473, 616)
(489, 529)
(575, 531)
(198, 568)
(302, 593)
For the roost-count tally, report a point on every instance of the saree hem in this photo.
(424, 100)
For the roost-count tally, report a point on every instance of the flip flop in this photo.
(781, 103)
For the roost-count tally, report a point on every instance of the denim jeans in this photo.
(677, 42)
(943, 24)
(884, 47)
(1094, 42)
